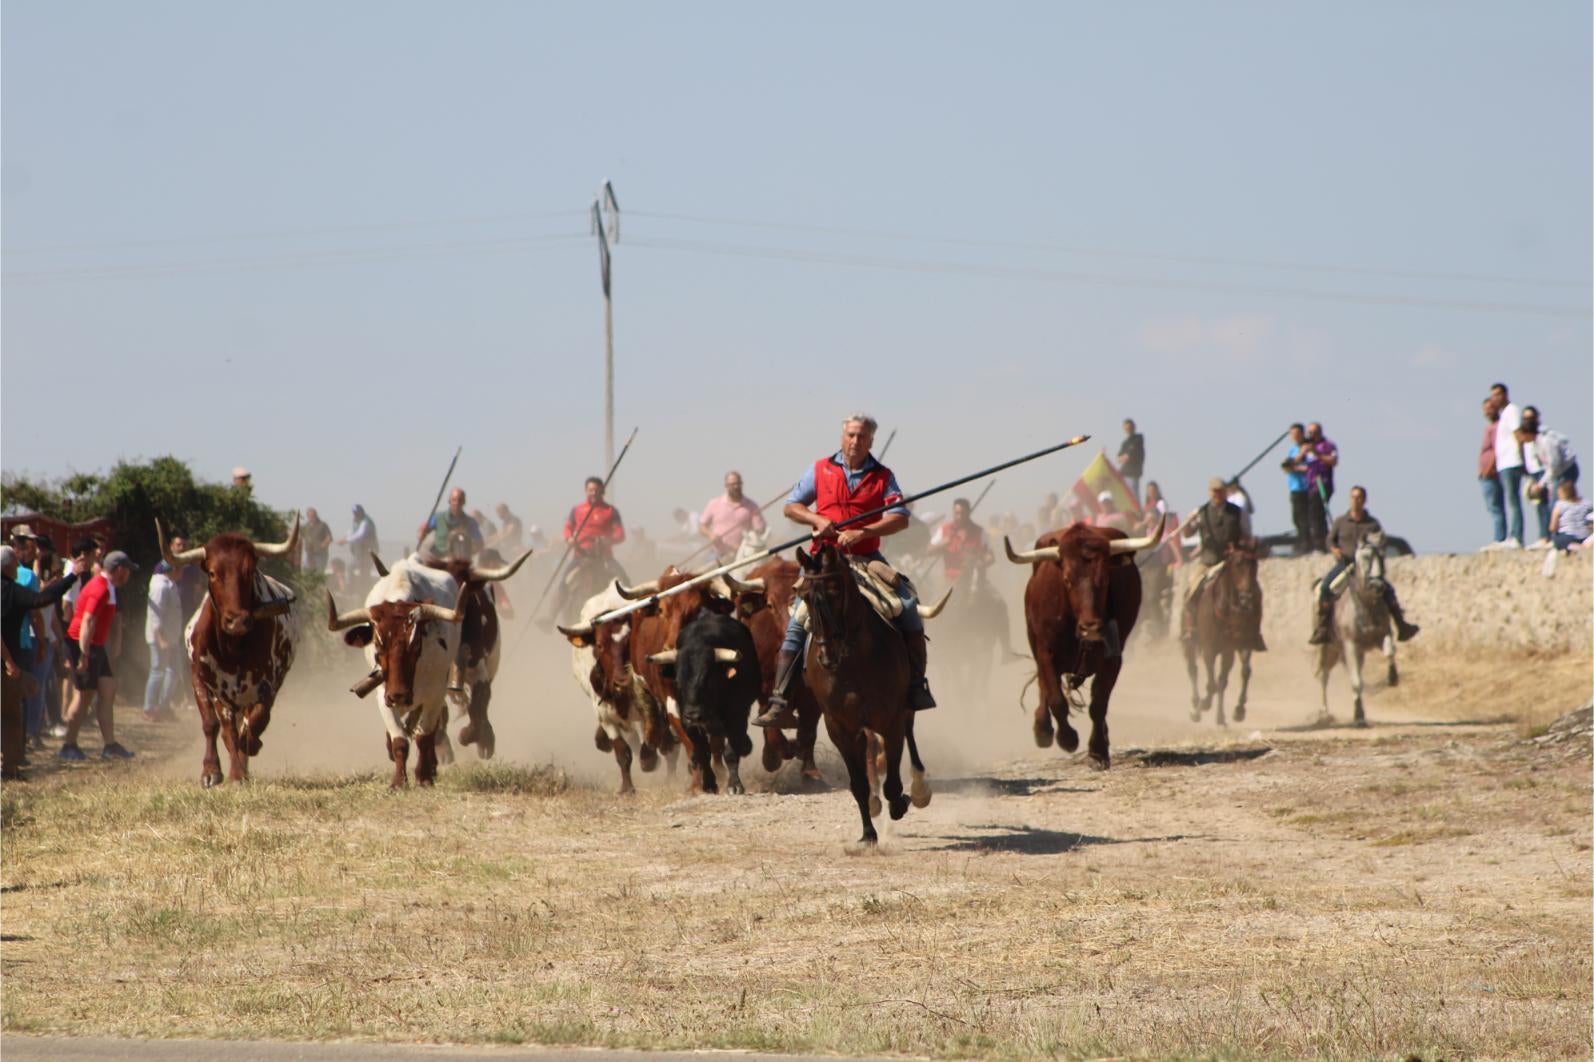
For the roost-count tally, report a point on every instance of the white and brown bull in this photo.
(410, 631)
(240, 644)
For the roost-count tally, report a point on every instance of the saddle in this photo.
(878, 581)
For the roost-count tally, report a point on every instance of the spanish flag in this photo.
(1100, 475)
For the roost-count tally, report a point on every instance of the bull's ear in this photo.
(803, 560)
(358, 637)
(579, 639)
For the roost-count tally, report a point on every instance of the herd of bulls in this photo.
(680, 674)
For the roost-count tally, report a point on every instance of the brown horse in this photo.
(1228, 623)
(857, 670)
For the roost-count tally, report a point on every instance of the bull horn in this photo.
(433, 611)
(281, 549)
(1129, 545)
(367, 684)
(932, 611)
(636, 593)
(666, 657)
(727, 656)
(1031, 556)
(176, 560)
(584, 631)
(337, 621)
(752, 586)
(381, 569)
(493, 575)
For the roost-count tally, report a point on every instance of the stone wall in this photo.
(1493, 600)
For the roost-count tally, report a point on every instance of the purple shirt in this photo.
(1316, 471)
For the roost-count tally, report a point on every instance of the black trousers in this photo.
(1298, 516)
(1317, 518)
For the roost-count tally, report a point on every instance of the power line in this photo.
(880, 234)
(1031, 273)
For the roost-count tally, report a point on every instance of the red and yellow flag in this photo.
(1099, 476)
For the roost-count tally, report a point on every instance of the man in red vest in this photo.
(848, 482)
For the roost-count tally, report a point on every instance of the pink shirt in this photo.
(727, 521)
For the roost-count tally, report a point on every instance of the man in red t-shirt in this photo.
(88, 661)
(593, 529)
(961, 543)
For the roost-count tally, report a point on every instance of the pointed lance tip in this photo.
(1076, 440)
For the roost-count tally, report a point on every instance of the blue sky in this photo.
(331, 242)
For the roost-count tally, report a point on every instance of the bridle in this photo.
(830, 647)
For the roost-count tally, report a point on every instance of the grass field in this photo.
(1422, 888)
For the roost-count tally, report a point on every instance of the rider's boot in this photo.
(919, 697)
(1404, 631)
(1323, 633)
(779, 713)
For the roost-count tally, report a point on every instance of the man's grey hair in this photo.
(862, 418)
(8, 557)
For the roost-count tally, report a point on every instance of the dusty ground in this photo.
(1421, 887)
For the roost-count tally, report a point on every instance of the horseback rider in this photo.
(961, 543)
(1221, 525)
(593, 528)
(1349, 531)
(848, 482)
(455, 534)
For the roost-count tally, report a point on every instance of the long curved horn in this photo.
(752, 586)
(666, 657)
(636, 593)
(493, 575)
(1033, 555)
(176, 560)
(337, 621)
(381, 569)
(727, 656)
(281, 549)
(433, 611)
(1129, 545)
(584, 631)
(932, 611)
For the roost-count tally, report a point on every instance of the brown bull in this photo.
(763, 604)
(1080, 604)
(240, 645)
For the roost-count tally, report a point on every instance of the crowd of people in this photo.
(1524, 463)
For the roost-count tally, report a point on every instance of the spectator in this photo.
(315, 538)
(1548, 459)
(361, 541)
(1295, 476)
(17, 603)
(1508, 463)
(728, 517)
(511, 538)
(48, 569)
(1132, 456)
(1156, 509)
(31, 652)
(191, 584)
(87, 551)
(1321, 458)
(163, 633)
(454, 533)
(88, 656)
(243, 480)
(1488, 474)
(1569, 520)
(1107, 514)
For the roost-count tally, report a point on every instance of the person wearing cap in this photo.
(361, 541)
(89, 661)
(242, 479)
(1221, 524)
(16, 605)
(163, 633)
(1107, 514)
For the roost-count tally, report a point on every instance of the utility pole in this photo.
(606, 227)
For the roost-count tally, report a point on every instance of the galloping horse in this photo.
(857, 670)
(1228, 622)
(1366, 628)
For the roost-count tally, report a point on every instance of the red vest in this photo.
(963, 547)
(833, 501)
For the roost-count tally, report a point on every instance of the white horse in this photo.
(1361, 626)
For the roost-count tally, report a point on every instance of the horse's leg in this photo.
(1223, 683)
(1353, 661)
(1325, 669)
(210, 767)
(1389, 654)
(854, 749)
(808, 715)
(896, 803)
(1100, 692)
(873, 749)
(1245, 685)
(1193, 670)
(919, 789)
(1210, 659)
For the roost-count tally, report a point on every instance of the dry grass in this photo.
(1425, 892)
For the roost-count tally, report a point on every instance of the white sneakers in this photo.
(1542, 543)
(1508, 544)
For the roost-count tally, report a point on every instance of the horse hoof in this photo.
(1239, 713)
(770, 759)
(424, 783)
(1043, 737)
(1360, 722)
(1394, 679)
(919, 792)
(1069, 739)
(899, 807)
(735, 789)
(875, 807)
(210, 779)
(1099, 761)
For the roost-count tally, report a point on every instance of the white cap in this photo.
(1104, 496)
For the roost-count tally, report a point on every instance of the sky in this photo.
(332, 242)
